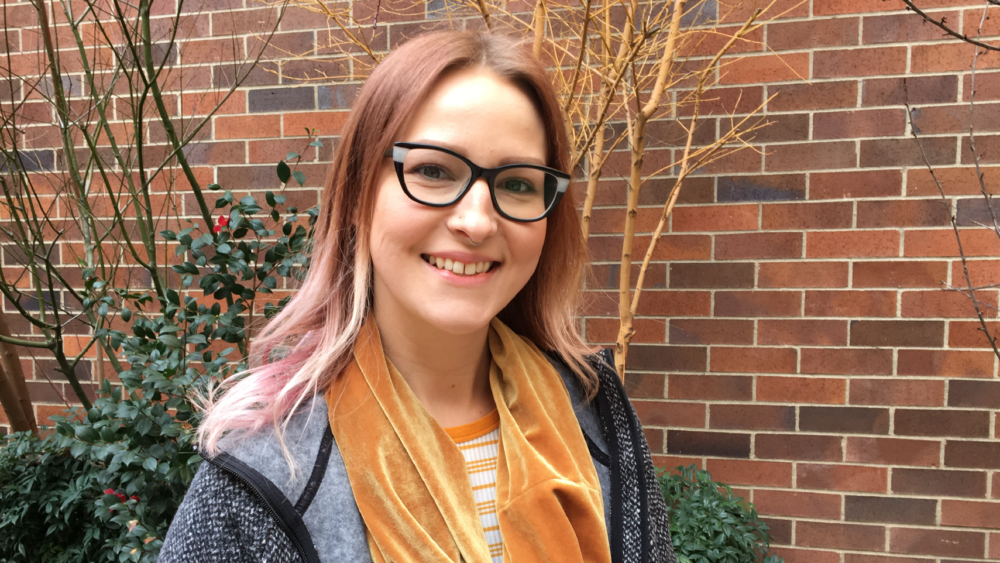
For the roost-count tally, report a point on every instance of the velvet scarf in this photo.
(409, 478)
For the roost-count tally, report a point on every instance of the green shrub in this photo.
(46, 502)
(708, 524)
(106, 486)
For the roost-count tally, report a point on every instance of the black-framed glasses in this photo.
(439, 177)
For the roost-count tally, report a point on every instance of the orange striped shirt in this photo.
(480, 444)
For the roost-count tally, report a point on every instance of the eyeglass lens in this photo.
(436, 177)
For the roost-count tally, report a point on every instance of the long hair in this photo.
(311, 341)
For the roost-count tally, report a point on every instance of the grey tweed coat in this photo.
(245, 506)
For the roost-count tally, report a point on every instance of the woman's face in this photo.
(492, 123)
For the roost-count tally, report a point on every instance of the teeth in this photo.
(459, 268)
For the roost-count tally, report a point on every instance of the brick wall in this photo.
(794, 337)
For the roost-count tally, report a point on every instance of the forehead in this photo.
(476, 111)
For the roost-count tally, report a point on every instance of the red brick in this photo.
(645, 385)
(758, 303)
(838, 32)
(797, 555)
(949, 363)
(889, 510)
(793, 503)
(752, 360)
(669, 247)
(859, 62)
(897, 91)
(981, 273)
(714, 276)
(715, 218)
(974, 394)
(899, 274)
(739, 12)
(850, 303)
(970, 454)
(843, 244)
(840, 536)
(751, 417)
(710, 387)
(867, 558)
(859, 123)
(986, 86)
(893, 451)
(947, 543)
(710, 331)
(672, 414)
(647, 357)
(969, 334)
(808, 447)
(941, 242)
(943, 303)
(758, 245)
(954, 180)
(939, 482)
(810, 216)
(850, 185)
(672, 303)
(800, 389)
(324, 122)
(933, 120)
(835, 7)
(802, 274)
(751, 472)
(827, 477)
(906, 152)
(846, 361)
(945, 57)
(810, 156)
(844, 420)
(716, 444)
(605, 331)
(894, 392)
(895, 333)
(954, 423)
(800, 96)
(900, 28)
(969, 514)
(756, 69)
(906, 213)
(802, 332)
(247, 126)
(994, 546)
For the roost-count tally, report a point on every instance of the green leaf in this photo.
(284, 173)
(87, 434)
(150, 463)
(126, 314)
(292, 156)
(214, 187)
(170, 340)
(300, 177)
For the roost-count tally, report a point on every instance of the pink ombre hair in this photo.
(311, 341)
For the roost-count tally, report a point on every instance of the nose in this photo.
(474, 217)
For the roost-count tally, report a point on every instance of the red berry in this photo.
(122, 497)
(223, 220)
(135, 498)
(217, 229)
(109, 491)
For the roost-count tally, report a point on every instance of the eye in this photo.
(517, 186)
(431, 172)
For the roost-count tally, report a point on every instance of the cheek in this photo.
(528, 244)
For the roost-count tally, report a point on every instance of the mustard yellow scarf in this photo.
(409, 477)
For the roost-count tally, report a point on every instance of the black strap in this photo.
(277, 503)
(319, 470)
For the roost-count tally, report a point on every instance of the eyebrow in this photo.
(503, 161)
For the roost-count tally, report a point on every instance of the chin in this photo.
(458, 324)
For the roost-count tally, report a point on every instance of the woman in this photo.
(402, 408)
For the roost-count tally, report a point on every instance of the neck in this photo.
(448, 373)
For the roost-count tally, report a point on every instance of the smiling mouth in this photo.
(459, 268)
